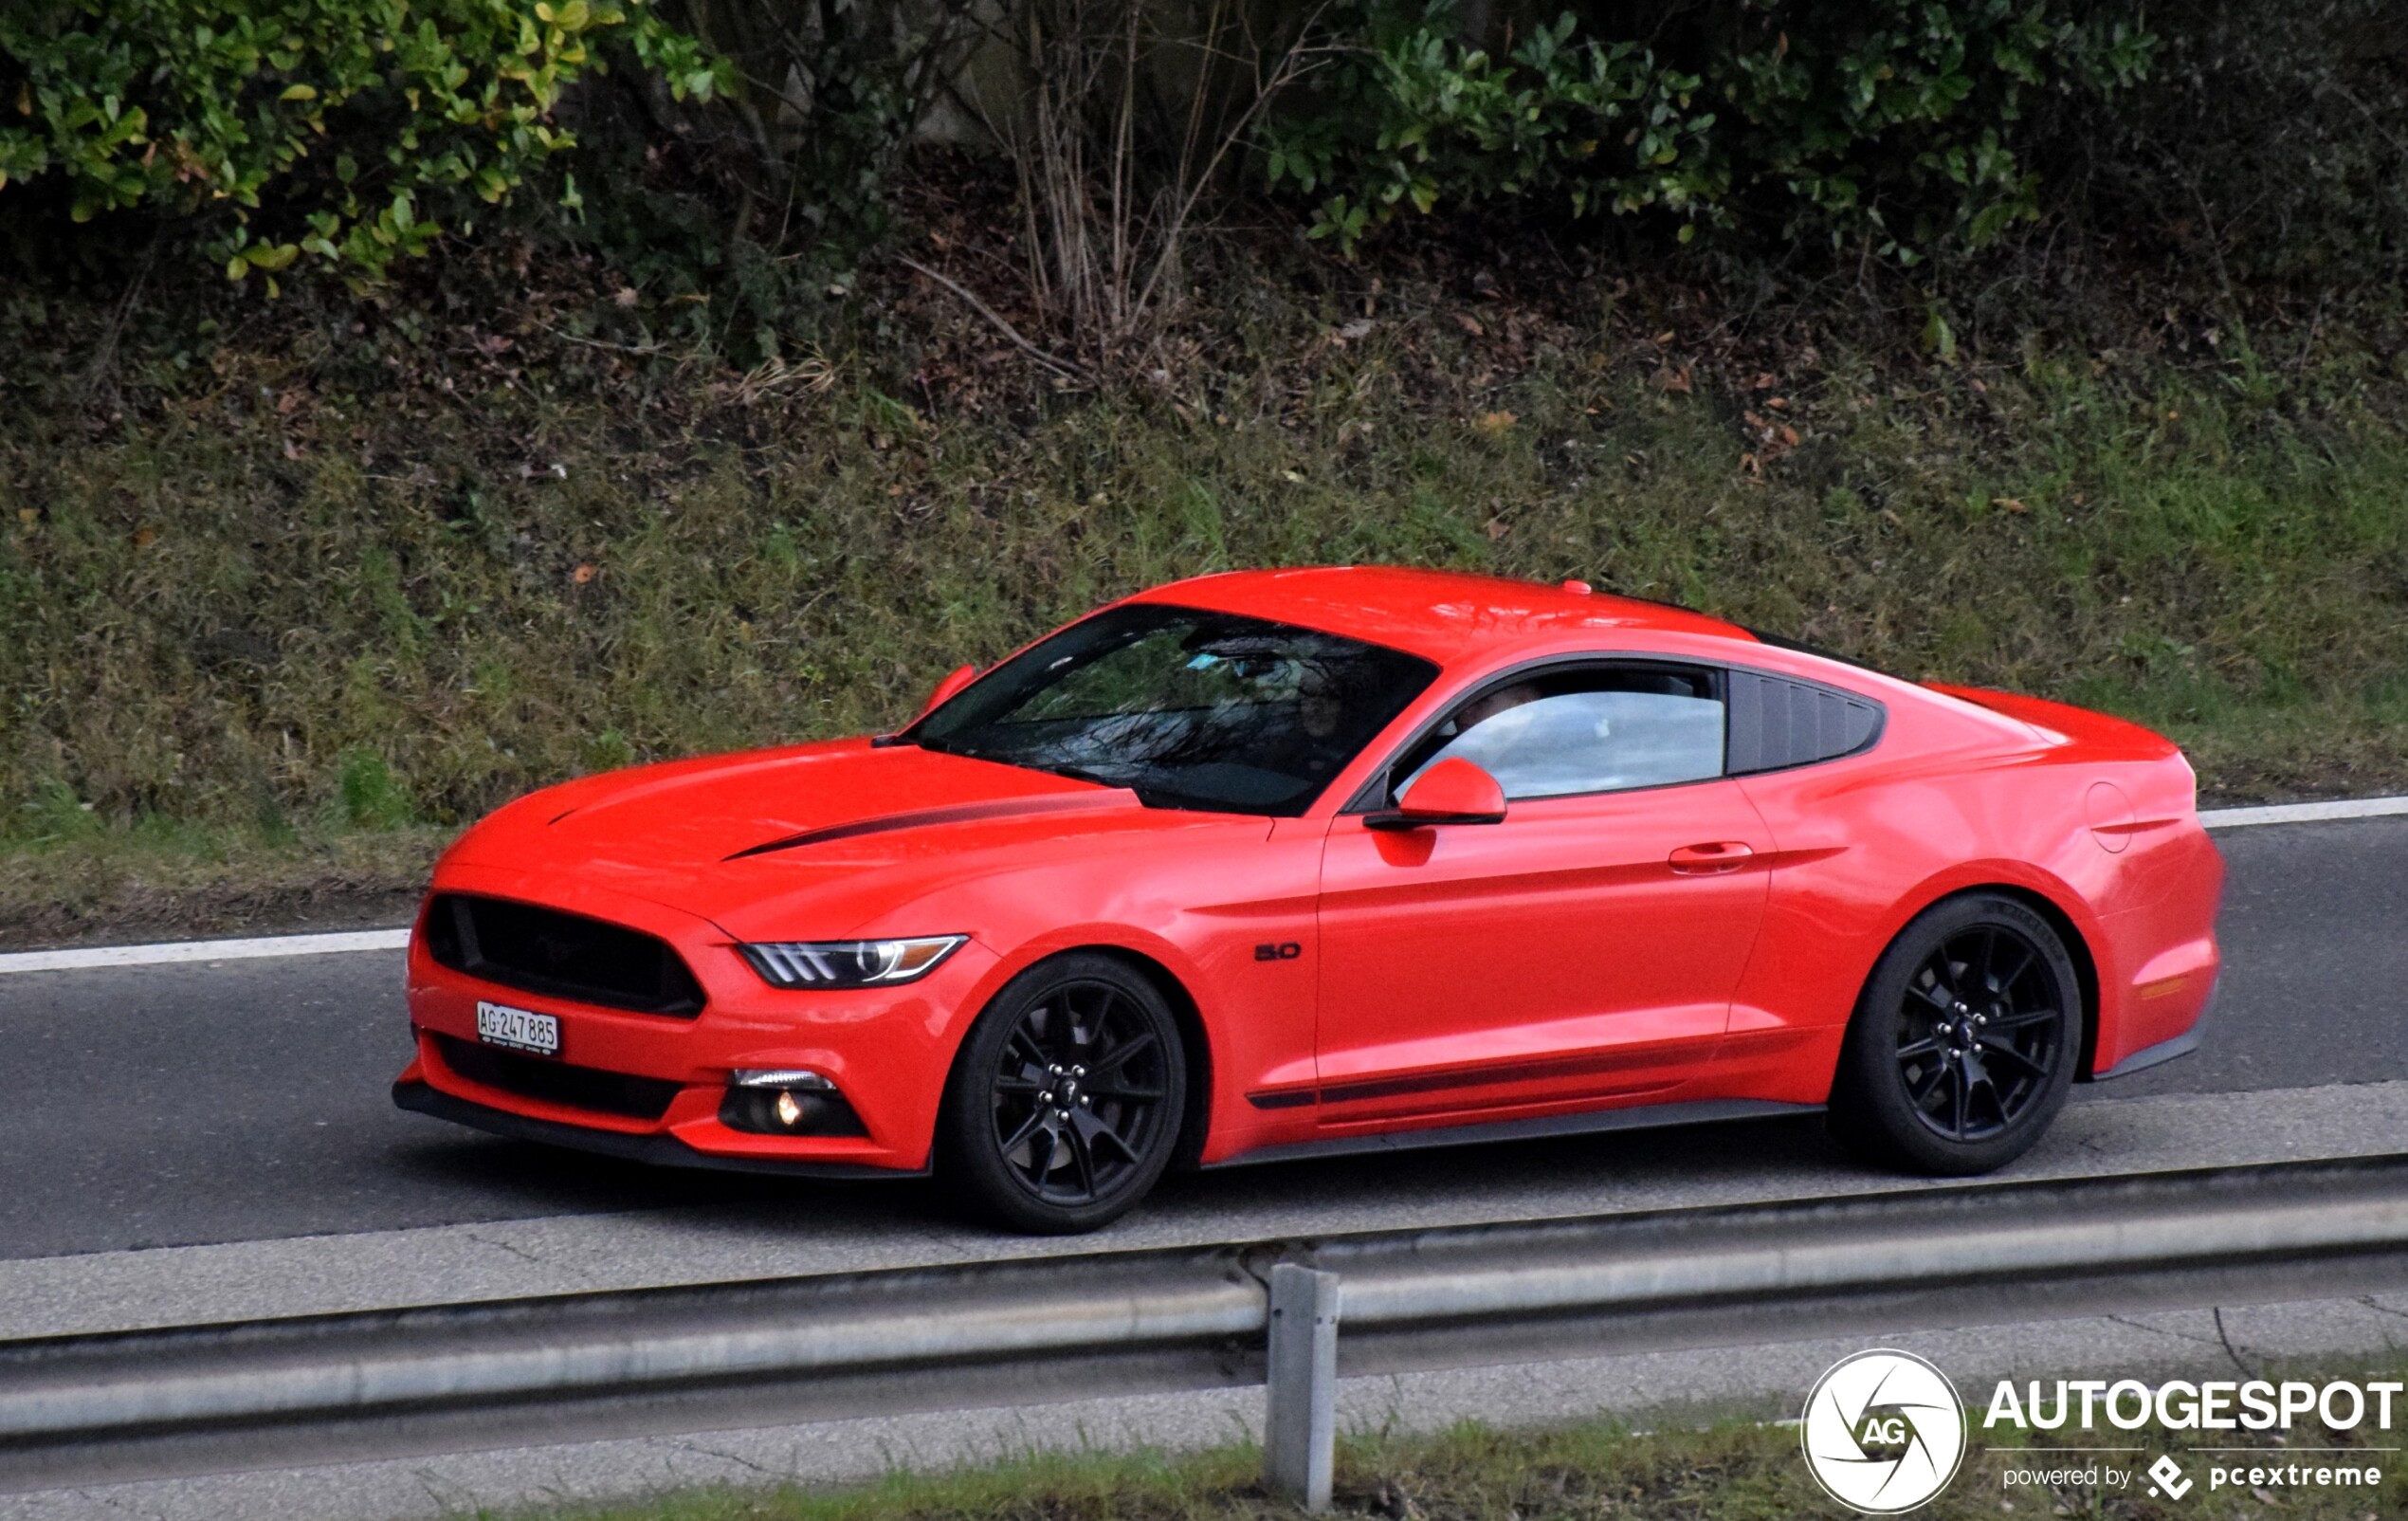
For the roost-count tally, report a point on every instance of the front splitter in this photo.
(654, 1150)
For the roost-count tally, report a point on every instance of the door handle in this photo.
(1710, 859)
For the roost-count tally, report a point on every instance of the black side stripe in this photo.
(1289, 1098)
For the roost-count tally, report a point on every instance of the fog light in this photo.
(787, 1101)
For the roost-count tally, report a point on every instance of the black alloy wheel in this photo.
(1980, 1032)
(1964, 1042)
(1065, 1104)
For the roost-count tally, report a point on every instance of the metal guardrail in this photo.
(464, 1377)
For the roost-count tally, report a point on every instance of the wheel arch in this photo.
(2086, 967)
(1196, 1107)
(1196, 1111)
(2077, 948)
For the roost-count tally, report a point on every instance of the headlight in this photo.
(838, 963)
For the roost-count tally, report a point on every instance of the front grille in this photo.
(568, 956)
(556, 1082)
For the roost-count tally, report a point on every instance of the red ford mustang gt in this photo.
(1274, 864)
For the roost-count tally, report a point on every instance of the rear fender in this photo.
(2085, 933)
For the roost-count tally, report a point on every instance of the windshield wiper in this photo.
(1146, 797)
(1078, 772)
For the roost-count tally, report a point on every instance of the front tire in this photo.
(1964, 1042)
(1064, 1106)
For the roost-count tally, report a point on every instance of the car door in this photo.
(1584, 948)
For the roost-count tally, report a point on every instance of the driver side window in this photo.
(1598, 728)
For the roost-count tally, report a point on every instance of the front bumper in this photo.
(657, 1150)
(887, 1051)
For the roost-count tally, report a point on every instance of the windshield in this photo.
(1188, 709)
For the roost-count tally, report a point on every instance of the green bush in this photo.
(352, 130)
(1411, 115)
(371, 798)
(1892, 123)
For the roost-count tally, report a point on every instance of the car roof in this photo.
(1443, 615)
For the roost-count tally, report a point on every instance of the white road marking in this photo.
(376, 940)
(2304, 813)
(204, 950)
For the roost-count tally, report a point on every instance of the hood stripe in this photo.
(962, 813)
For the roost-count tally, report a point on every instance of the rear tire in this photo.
(1065, 1105)
(1964, 1042)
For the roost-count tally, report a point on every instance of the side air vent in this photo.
(1777, 721)
(565, 955)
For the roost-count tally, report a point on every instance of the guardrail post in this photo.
(1300, 1424)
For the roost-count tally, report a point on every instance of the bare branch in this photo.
(1291, 68)
(1061, 366)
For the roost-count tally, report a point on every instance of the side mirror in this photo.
(1451, 792)
(946, 690)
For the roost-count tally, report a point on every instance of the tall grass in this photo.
(290, 604)
(1687, 1470)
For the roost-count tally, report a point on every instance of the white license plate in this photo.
(497, 1024)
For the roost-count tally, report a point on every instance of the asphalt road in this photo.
(182, 1104)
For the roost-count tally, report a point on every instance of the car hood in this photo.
(815, 839)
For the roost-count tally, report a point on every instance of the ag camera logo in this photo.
(1883, 1432)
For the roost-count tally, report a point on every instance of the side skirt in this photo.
(1634, 1117)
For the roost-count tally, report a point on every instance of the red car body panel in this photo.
(1699, 943)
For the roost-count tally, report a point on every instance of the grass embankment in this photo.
(282, 604)
(1581, 1473)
